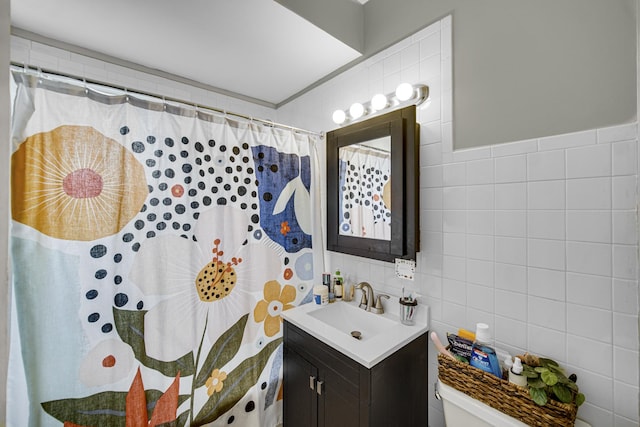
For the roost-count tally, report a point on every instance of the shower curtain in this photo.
(153, 249)
(365, 192)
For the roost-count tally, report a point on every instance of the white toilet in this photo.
(465, 411)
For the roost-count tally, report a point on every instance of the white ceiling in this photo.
(254, 48)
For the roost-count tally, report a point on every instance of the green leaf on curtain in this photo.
(223, 350)
(238, 382)
(130, 327)
(101, 409)
(107, 408)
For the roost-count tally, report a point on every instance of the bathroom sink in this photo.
(380, 334)
(348, 318)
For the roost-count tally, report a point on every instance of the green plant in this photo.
(547, 380)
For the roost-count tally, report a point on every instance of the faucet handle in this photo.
(363, 298)
(379, 309)
(364, 301)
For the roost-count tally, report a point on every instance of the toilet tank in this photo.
(461, 410)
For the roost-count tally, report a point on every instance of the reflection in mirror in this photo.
(365, 189)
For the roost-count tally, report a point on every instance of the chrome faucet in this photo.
(367, 295)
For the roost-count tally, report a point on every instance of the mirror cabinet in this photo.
(372, 187)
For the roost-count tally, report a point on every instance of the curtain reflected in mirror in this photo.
(365, 189)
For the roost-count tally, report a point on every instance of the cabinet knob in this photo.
(319, 387)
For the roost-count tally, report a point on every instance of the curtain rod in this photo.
(24, 67)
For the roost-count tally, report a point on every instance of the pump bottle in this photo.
(515, 373)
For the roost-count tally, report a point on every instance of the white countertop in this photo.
(368, 352)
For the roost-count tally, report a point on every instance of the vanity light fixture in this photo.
(404, 91)
(356, 111)
(379, 102)
(339, 117)
(404, 95)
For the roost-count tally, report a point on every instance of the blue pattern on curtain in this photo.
(152, 255)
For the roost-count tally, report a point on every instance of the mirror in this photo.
(372, 187)
(364, 184)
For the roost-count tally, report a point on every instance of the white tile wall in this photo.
(538, 238)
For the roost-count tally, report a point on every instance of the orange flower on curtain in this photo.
(136, 405)
(276, 300)
(284, 228)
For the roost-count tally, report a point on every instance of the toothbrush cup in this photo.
(408, 308)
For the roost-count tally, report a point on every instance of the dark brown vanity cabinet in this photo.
(324, 388)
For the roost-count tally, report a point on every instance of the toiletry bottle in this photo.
(337, 287)
(483, 356)
(326, 281)
(506, 367)
(515, 374)
(339, 277)
(332, 292)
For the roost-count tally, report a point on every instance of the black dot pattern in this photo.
(362, 185)
(185, 175)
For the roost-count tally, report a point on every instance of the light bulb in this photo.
(378, 102)
(356, 110)
(339, 117)
(404, 91)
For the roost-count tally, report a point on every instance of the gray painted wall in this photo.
(522, 69)
(4, 203)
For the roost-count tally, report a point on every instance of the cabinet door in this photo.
(299, 383)
(338, 401)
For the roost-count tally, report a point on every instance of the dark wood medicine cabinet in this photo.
(398, 133)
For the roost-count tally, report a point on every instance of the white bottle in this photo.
(515, 373)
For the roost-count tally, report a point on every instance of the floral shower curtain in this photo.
(153, 249)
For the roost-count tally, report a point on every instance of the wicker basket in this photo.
(503, 395)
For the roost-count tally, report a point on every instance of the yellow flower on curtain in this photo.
(74, 183)
(216, 381)
(276, 300)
